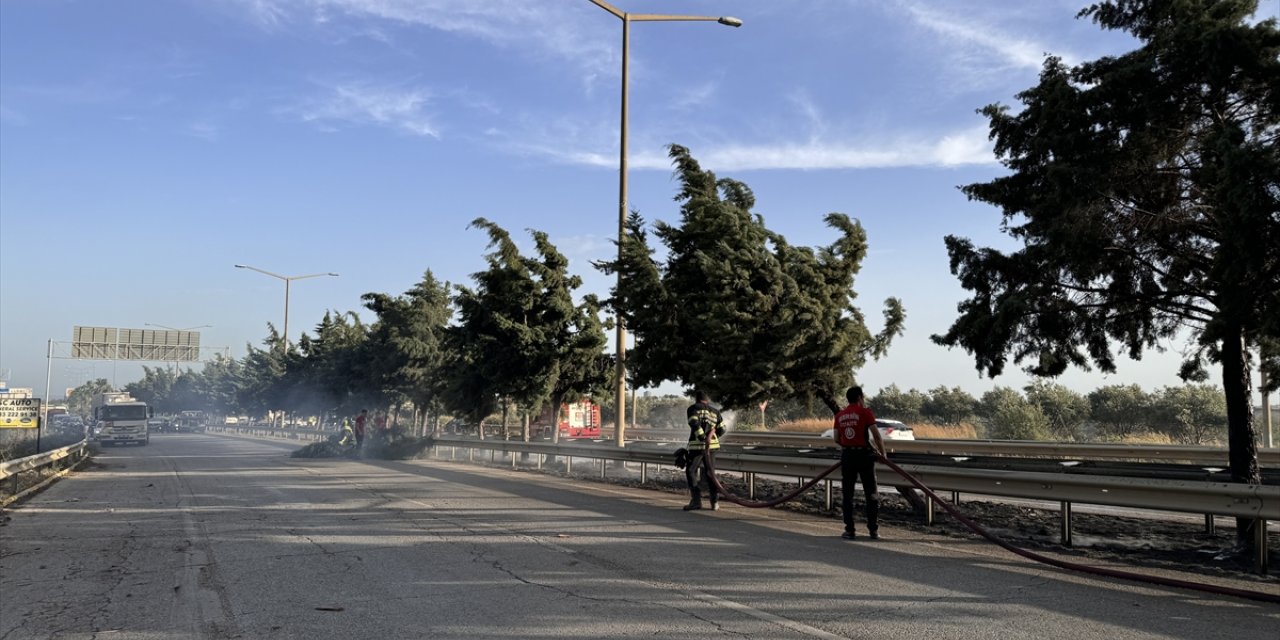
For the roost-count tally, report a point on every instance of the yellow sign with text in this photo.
(19, 413)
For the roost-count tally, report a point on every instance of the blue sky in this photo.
(146, 147)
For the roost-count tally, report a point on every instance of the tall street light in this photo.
(287, 281)
(627, 19)
(161, 326)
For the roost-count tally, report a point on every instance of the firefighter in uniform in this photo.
(860, 441)
(706, 425)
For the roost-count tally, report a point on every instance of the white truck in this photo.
(120, 418)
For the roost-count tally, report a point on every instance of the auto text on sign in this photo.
(19, 413)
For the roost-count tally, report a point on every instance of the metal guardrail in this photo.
(13, 471)
(1020, 448)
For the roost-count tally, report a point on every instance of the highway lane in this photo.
(201, 536)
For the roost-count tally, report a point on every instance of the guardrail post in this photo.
(513, 461)
(751, 485)
(1260, 543)
(827, 499)
(542, 458)
(603, 464)
(1210, 524)
(568, 465)
(1066, 523)
(644, 472)
(928, 509)
(955, 497)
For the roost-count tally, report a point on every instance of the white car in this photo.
(889, 430)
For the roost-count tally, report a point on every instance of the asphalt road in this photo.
(203, 536)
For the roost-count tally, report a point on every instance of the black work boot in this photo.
(695, 502)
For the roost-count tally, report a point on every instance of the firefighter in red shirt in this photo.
(360, 423)
(860, 442)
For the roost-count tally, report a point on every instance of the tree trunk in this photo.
(828, 400)
(506, 408)
(557, 401)
(1241, 435)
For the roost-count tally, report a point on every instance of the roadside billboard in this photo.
(19, 413)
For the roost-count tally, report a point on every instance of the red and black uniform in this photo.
(857, 460)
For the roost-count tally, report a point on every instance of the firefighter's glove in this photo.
(682, 458)
(719, 431)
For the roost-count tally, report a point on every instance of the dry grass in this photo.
(923, 430)
(812, 425)
(1148, 437)
(963, 431)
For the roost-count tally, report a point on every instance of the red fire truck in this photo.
(577, 420)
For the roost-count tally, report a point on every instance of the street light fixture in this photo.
(287, 281)
(627, 19)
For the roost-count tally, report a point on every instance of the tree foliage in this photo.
(1067, 412)
(80, 401)
(410, 341)
(520, 337)
(949, 406)
(1144, 190)
(735, 310)
(1120, 411)
(1191, 414)
(892, 402)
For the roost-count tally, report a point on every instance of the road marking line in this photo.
(798, 627)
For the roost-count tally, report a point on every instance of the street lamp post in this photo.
(621, 339)
(160, 326)
(287, 281)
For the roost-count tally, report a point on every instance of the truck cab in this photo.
(121, 419)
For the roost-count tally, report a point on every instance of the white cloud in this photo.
(694, 97)
(969, 147)
(365, 104)
(204, 130)
(961, 148)
(569, 30)
(1014, 51)
(584, 247)
(268, 13)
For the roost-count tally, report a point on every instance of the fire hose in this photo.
(709, 459)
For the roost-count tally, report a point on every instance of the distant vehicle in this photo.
(190, 422)
(889, 430)
(577, 420)
(65, 424)
(895, 430)
(158, 425)
(122, 419)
